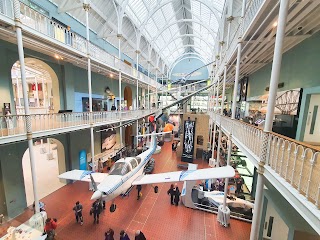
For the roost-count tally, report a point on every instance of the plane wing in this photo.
(200, 174)
(81, 175)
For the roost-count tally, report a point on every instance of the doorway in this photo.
(312, 129)
(42, 84)
(49, 163)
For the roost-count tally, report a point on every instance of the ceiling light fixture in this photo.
(275, 24)
(111, 75)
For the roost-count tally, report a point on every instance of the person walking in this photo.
(109, 234)
(177, 196)
(171, 192)
(139, 187)
(78, 212)
(139, 235)
(96, 210)
(124, 235)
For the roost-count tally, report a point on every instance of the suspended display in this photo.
(188, 141)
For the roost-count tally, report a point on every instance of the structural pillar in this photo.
(275, 74)
(86, 7)
(18, 25)
(120, 90)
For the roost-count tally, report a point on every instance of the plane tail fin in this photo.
(94, 184)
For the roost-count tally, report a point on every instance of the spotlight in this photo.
(111, 75)
(275, 24)
(56, 56)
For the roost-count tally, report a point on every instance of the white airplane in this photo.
(129, 171)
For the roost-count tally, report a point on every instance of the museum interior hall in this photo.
(160, 119)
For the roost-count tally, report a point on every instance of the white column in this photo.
(16, 5)
(137, 95)
(157, 89)
(236, 82)
(148, 96)
(120, 90)
(162, 90)
(37, 91)
(275, 74)
(18, 91)
(44, 95)
(86, 8)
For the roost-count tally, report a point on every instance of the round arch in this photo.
(50, 161)
(42, 81)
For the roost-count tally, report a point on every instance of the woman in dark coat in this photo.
(171, 192)
(109, 234)
(177, 196)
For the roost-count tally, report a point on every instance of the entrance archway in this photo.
(49, 163)
(128, 130)
(43, 87)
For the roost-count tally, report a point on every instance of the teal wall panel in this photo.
(12, 174)
(299, 69)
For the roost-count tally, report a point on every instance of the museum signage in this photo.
(188, 141)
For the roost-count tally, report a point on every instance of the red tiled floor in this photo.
(153, 213)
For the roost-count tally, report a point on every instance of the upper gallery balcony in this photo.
(38, 26)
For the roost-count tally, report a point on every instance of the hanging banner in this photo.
(188, 141)
(83, 160)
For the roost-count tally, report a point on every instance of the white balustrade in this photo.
(294, 161)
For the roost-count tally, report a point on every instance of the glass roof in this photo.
(177, 27)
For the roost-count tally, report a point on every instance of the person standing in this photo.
(50, 228)
(124, 235)
(139, 235)
(109, 234)
(177, 196)
(96, 210)
(171, 192)
(78, 212)
(139, 187)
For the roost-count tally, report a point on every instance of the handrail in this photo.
(41, 23)
(296, 162)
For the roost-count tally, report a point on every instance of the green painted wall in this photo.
(299, 69)
(12, 176)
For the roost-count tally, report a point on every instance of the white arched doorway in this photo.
(43, 87)
(49, 163)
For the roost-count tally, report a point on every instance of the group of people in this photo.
(124, 236)
(174, 193)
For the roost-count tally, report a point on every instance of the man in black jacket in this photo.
(96, 210)
(139, 235)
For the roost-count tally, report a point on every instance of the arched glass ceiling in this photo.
(176, 27)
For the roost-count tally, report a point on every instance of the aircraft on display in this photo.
(129, 171)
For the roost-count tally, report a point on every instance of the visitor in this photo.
(78, 212)
(50, 228)
(171, 192)
(96, 210)
(109, 234)
(177, 195)
(139, 235)
(113, 108)
(124, 235)
(139, 187)
(41, 207)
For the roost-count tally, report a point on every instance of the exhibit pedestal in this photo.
(223, 216)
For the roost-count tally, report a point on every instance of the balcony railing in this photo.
(252, 9)
(296, 162)
(41, 23)
(15, 125)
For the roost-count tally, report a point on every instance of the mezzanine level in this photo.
(47, 36)
(13, 127)
(291, 166)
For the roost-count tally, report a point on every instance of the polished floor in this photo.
(153, 213)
